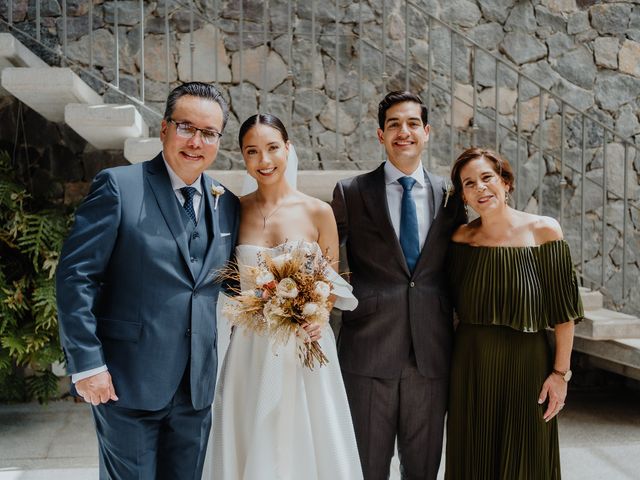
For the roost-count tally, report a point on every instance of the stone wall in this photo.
(587, 52)
(52, 156)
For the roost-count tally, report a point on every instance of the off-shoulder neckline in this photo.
(515, 247)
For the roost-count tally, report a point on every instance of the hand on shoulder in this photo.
(546, 229)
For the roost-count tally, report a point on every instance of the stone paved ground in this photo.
(599, 439)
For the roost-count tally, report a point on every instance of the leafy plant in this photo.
(32, 229)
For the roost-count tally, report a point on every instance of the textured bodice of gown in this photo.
(525, 288)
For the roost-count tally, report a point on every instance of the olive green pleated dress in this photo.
(505, 297)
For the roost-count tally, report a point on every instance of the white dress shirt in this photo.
(176, 183)
(421, 196)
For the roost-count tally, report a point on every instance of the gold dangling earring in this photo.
(507, 197)
(466, 210)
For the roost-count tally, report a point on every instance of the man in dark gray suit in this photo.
(395, 348)
(137, 294)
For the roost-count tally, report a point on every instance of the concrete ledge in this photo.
(105, 126)
(14, 54)
(618, 356)
(603, 324)
(591, 299)
(316, 183)
(137, 150)
(48, 90)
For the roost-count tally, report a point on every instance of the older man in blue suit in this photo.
(137, 293)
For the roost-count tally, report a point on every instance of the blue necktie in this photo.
(188, 193)
(409, 237)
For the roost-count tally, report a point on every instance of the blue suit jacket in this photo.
(126, 295)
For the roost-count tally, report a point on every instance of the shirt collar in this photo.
(392, 174)
(177, 183)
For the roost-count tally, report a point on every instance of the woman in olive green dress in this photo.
(511, 277)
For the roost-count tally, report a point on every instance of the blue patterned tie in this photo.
(188, 193)
(409, 239)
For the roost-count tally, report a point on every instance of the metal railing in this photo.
(387, 51)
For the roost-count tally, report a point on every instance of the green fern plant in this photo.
(32, 229)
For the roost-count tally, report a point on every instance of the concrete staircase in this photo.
(611, 339)
(59, 95)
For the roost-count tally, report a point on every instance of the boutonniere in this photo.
(448, 191)
(217, 191)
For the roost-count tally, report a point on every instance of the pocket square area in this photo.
(223, 234)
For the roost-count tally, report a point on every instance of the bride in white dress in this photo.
(274, 418)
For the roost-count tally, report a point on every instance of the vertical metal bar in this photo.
(406, 45)
(384, 46)
(624, 220)
(192, 43)
(117, 42)
(497, 117)
(563, 182)
(90, 32)
(290, 64)
(430, 88)
(216, 39)
(603, 243)
(337, 139)
(167, 42)
(64, 29)
(241, 61)
(474, 123)
(38, 19)
(10, 13)
(360, 76)
(265, 42)
(518, 124)
(543, 168)
(452, 98)
(142, 51)
(583, 179)
(313, 75)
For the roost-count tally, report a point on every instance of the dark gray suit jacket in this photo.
(398, 311)
(127, 295)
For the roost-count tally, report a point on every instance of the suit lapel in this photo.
(208, 211)
(374, 194)
(161, 187)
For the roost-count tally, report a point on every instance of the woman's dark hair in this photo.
(500, 165)
(262, 119)
(399, 96)
(200, 90)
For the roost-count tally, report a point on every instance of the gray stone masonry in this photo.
(585, 52)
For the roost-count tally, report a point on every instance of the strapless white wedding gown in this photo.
(275, 419)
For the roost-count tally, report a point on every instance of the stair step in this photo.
(138, 150)
(14, 54)
(603, 324)
(591, 299)
(618, 356)
(47, 90)
(106, 126)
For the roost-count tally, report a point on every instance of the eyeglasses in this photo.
(185, 130)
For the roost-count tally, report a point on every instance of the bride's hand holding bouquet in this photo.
(291, 291)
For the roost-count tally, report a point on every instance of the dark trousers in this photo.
(147, 445)
(412, 408)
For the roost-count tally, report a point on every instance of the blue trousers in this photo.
(153, 445)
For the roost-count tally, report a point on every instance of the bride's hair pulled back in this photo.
(262, 119)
